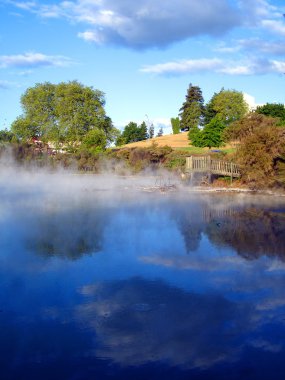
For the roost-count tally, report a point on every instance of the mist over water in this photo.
(115, 278)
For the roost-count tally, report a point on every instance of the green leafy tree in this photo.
(228, 105)
(95, 140)
(63, 112)
(130, 133)
(211, 136)
(195, 135)
(6, 136)
(192, 110)
(175, 123)
(133, 133)
(25, 129)
(210, 111)
(274, 110)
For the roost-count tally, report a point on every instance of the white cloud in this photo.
(25, 5)
(152, 23)
(274, 26)
(33, 60)
(184, 66)
(247, 67)
(258, 45)
(92, 36)
(143, 23)
(252, 46)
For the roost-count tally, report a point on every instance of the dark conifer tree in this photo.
(192, 110)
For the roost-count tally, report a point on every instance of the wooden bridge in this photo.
(205, 164)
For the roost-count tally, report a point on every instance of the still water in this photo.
(109, 281)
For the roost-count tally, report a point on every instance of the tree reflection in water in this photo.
(251, 231)
(67, 233)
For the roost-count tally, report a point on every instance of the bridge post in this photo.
(209, 163)
(191, 162)
(209, 169)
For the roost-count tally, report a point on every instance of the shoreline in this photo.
(237, 190)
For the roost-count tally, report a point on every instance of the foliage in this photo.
(175, 123)
(195, 136)
(273, 110)
(247, 126)
(192, 110)
(6, 136)
(137, 159)
(133, 133)
(211, 136)
(25, 129)
(176, 160)
(95, 140)
(120, 140)
(63, 112)
(210, 112)
(143, 131)
(262, 147)
(228, 105)
(258, 154)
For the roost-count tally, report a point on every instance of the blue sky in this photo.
(142, 53)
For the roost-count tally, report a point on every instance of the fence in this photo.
(206, 164)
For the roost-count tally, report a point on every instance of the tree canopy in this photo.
(64, 112)
(211, 136)
(228, 105)
(175, 123)
(192, 110)
(223, 108)
(6, 136)
(276, 110)
(133, 133)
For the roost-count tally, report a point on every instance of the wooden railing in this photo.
(206, 164)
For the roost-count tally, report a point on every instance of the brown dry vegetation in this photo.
(174, 141)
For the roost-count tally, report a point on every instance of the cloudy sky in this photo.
(142, 54)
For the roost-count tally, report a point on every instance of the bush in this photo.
(262, 146)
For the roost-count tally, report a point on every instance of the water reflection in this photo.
(171, 286)
(139, 321)
(252, 233)
(67, 233)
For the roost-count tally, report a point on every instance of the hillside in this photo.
(174, 141)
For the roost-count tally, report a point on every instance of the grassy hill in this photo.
(179, 141)
(174, 141)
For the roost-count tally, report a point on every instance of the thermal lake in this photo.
(105, 278)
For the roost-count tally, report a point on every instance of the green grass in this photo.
(197, 150)
(193, 150)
